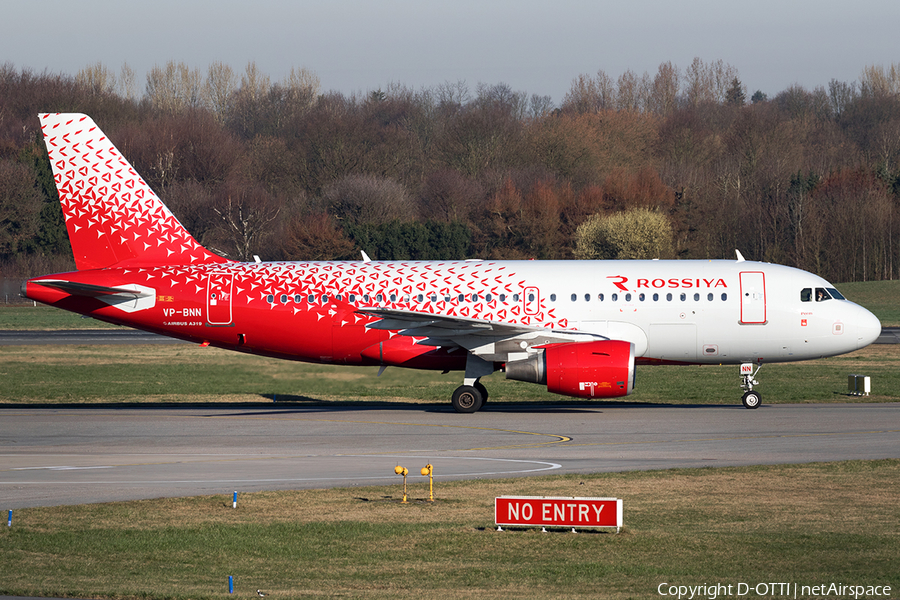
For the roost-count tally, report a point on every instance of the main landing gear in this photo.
(472, 395)
(469, 398)
(750, 399)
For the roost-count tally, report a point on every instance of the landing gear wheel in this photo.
(467, 399)
(483, 391)
(751, 399)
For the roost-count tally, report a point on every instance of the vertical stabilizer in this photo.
(112, 215)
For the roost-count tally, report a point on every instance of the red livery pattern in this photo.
(562, 324)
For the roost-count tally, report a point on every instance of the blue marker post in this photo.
(234, 500)
(9, 521)
(230, 584)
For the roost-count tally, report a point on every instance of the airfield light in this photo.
(428, 470)
(402, 471)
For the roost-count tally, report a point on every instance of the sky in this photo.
(534, 46)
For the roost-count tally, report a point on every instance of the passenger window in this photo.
(393, 297)
(311, 298)
(351, 298)
(587, 297)
(641, 297)
(552, 297)
(488, 297)
(600, 297)
(724, 297)
(283, 298)
(683, 296)
(614, 297)
(669, 297)
(627, 297)
(696, 297)
(656, 297)
(709, 297)
(270, 298)
(502, 297)
(298, 298)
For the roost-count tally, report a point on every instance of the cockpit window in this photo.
(806, 295)
(822, 295)
(835, 294)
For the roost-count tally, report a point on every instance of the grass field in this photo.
(187, 373)
(803, 524)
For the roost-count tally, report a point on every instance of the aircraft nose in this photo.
(868, 327)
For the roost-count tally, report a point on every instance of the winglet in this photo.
(111, 213)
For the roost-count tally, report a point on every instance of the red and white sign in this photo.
(547, 511)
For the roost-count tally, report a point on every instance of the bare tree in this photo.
(127, 86)
(539, 106)
(303, 87)
(368, 199)
(97, 78)
(840, 95)
(664, 91)
(246, 214)
(876, 81)
(218, 90)
(174, 87)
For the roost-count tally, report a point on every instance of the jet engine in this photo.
(600, 369)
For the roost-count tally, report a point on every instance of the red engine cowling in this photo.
(601, 369)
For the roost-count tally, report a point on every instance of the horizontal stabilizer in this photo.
(90, 290)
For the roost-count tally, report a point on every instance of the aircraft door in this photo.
(753, 298)
(218, 298)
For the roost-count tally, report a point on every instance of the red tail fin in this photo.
(111, 214)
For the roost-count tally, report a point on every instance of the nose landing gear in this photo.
(750, 399)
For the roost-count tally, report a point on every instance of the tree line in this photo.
(284, 170)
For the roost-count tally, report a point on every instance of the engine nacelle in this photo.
(601, 369)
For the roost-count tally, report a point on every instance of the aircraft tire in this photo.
(751, 399)
(466, 399)
(483, 391)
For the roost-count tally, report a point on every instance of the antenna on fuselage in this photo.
(365, 256)
(740, 257)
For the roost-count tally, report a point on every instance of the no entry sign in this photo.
(547, 511)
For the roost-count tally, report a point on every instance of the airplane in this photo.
(577, 327)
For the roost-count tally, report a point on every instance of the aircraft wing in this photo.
(491, 340)
(418, 324)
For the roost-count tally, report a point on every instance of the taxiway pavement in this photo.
(74, 455)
